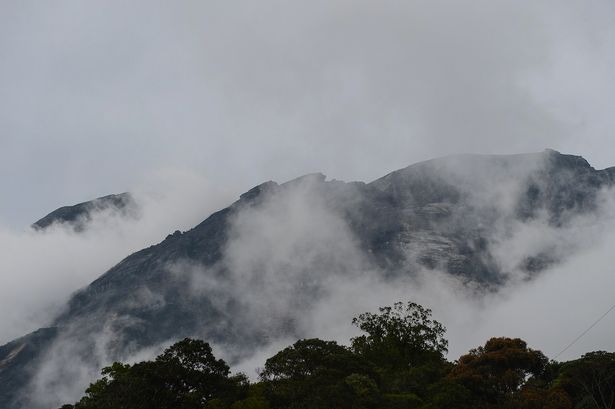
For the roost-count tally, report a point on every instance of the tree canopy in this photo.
(313, 374)
(185, 376)
(400, 336)
(398, 362)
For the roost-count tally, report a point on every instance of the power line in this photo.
(585, 332)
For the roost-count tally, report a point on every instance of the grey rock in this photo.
(77, 216)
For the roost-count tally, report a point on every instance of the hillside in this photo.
(243, 277)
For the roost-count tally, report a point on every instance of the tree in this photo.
(255, 398)
(400, 336)
(495, 372)
(446, 394)
(590, 380)
(198, 375)
(184, 376)
(314, 373)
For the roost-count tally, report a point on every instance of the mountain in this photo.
(78, 216)
(248, 274)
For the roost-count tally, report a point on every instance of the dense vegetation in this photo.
(397, 363)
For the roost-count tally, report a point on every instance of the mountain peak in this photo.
(309, 178)
(258, 190)
(78, 215)
(561, 160)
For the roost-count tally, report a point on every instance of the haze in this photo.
(97, 96)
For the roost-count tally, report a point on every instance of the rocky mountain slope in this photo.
(78, 216)
(239, 278)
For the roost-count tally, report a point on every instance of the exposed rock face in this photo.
(441, 214)
(77, 216)
(19, 359)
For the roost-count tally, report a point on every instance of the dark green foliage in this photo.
(314, 373)
(445, 394)
(255, 398)
(401, 401)
(312, 357)
(185, 376)
(364, 389)
(397, 363)
(590, 380)
(406, 346)
(400, 336)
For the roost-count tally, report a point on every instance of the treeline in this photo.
(398, 362)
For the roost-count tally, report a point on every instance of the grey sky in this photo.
(95, 97)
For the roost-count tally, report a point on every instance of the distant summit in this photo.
(77, 216)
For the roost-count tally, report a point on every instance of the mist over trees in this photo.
(398, 362)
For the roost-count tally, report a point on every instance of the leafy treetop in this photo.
(400, 336)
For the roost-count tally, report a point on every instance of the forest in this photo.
(398, 362)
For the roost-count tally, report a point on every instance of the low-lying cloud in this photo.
(40, 269)
(293, 262)
(293, 268)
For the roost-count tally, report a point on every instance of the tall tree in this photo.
(400, 336)
(590, 380)
(314, 373)
(494, 373)
(184, 376)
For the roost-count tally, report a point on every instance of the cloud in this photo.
(554, 308)
(548, 310)
(40, 269)
(293, 268)
(297, 269)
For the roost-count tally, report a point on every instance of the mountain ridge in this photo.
(433, 215)
(78, 215)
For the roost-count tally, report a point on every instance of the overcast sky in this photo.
(97, 97)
